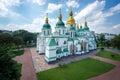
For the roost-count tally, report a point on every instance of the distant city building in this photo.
(66, 40)
(108, 36)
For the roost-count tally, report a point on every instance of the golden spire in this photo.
(77, 26)
(71, 13)
(71, 19)
(85, 22)
(81, 26)
(46, 19)
(60, 15)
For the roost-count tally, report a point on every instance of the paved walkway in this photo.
(114, 50)
(28, 72)
(40, 64)
(32, 62)
(114, 74)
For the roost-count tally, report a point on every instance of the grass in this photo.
(19, 67)
(108, 54)
(80, 70)
(13, 54)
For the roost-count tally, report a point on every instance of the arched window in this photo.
(64, 42)
(44, 32)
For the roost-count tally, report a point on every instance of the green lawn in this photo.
(80, 70)
(13, 54)
(108, 54)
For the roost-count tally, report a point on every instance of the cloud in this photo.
(72, 3)
(116, 26)
(53, 7)
(96, 16)
(40, 2)
(112, 10)
(5, 4)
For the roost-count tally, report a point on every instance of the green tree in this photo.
(115, 42)
(101, 39)
(8, 68)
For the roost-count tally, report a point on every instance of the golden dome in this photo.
(71, 19)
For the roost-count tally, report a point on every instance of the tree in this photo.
(101, 39)
(8, 67)
(18, 41)
(115, 42)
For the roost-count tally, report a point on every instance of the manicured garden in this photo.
(80, 70)
(108, 54)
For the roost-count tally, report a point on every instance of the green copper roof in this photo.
(46, 26)
(70, 39)
(72, 28)
(75, 38)
(67, 33)
(52, 42)
(60, 23)
(86, 28)
(58, 51)
(79, 43)
(65, 49)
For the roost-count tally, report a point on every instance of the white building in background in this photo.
(109, 36)
(66, 40)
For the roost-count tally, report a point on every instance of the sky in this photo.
(101, 15)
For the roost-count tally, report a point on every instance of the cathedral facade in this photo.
(66, 40)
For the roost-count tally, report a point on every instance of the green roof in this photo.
(52, 42)
(58, 51)
(46, 26)
(72, 28)
(75, 38)
(60, 23)
(79, 43)
(86, 28)
(67, 33)
(65, 49)
(70, 39)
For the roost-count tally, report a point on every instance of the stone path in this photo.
(114, 74)
(114, 50)
(28, 72)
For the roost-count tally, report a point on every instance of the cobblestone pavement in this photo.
(40, 64)
(28, 72)
(114, 74)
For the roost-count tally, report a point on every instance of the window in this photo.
(59, 31)
(64, 42)
(48, 32)
(71, 34)
(57, 43)
(44, 32)
(63, 31)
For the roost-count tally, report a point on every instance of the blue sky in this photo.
(102, 15)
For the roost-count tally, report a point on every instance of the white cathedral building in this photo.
(66, 40)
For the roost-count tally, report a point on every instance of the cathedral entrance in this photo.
(83, 46)
(73, 49)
